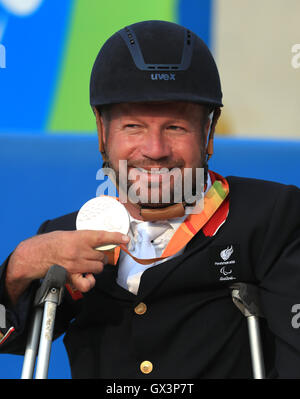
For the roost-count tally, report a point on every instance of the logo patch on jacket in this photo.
(225, 262)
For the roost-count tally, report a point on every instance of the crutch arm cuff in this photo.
(247, 298)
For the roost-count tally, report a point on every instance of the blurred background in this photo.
(48, 147)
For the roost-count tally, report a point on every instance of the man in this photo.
(156, 95)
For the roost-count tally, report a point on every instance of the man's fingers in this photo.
(96, 255)
(82, 283)
(90, 266)
(101, 237)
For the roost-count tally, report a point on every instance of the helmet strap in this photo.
(213, 116)
(100, 131)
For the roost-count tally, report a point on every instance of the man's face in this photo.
(155, 138)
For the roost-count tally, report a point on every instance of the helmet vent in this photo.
(188, 38)
(132, 43)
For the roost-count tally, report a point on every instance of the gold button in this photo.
(141, 308)
(146, 367)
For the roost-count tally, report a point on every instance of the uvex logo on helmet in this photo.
(163, 76)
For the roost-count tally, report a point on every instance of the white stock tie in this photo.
(143, 249)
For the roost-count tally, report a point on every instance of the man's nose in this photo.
(156, 145)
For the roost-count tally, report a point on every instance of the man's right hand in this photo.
(74, 250)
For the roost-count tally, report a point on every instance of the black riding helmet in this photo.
(155, 61)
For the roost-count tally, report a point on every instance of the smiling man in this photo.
(161, 307)
(161, 143)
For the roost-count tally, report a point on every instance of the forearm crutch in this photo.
(246, 298)
(47, 298)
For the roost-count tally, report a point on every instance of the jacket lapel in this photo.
(155, 275)
(107, 282)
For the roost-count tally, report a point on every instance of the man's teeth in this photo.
(154, 171)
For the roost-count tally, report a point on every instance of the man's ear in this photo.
(101, 133)
(210, 144)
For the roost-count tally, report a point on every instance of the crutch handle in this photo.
(47, 298)
(55, 278)
(246, 298)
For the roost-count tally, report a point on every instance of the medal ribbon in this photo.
(214, 197)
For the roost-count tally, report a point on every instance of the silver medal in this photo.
(103, 213)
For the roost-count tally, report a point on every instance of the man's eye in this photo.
(175, 128)
(131, 126)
